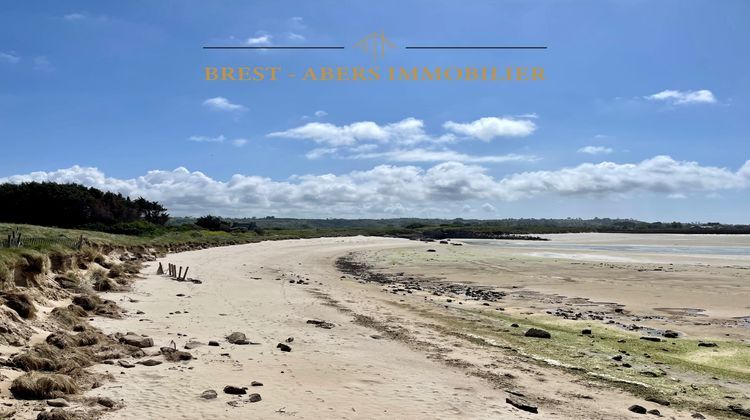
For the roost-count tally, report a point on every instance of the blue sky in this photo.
(642, 113)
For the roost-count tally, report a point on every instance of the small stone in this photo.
(290, 340)
(617, 358)
(237, 338)
(150, 362)
(655, 412)
(671, 334)
(234, 390)
(648, 338)
(256, 383)
(537, 333)
(698, 416)
(514, 325)
(254, 398)
(707, 344)
(586, 331)
(521, 404)
(209, 394)
(213, 343)
(283, 347)
(192, 344)
(125, 364)
(57, 402)
(106, 401)
(635, 408)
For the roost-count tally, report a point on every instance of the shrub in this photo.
(40, 386)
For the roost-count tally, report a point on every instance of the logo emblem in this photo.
(375, 43)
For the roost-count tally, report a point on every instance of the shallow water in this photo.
(640, 249)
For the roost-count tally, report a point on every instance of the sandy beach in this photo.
(405, 352)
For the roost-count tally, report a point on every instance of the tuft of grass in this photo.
(21, 303)
(39, 386)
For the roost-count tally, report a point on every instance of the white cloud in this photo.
(206, 139)
(74, 16)
(9, 57)
(405, 132)
(386, 189)
(41, 63)
(295, 37)
(488, 128)
(686, 97)
(489, 208)
(595, 150)
(220, 103)
(320, 113)
(239, 142)
(320, 152)
(259, 40)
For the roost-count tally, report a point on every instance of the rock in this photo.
(174, 355)
(137, 340)
(209, 394)
(290, 340)
(653, 373)
(654, 339)
(125, 364)
(698, 416)
(254, 398)
(256, 383)
(106, 401)
(659, 401)
(234, 390)
(637, 409)
(514, 325)
(283, 347)
(149, 362)
(192, 344)
(213, 343)
(321, 324)
(537, 333)
(431, 250)
(521, 404)
(57, 402)
(671, 334)
(586, 331)
(654, 412)
(740, 410)
(237, 338)
(707, 344)
(617, 358)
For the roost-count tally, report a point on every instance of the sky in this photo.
(642, 113)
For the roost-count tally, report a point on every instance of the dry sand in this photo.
(415, 367)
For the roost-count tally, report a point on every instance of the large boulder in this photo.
(137, 340)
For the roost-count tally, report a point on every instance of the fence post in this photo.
(184, 276)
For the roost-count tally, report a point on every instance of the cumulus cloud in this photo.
(389, 189)
(595, 150)
(220, 103)
(320, 113)
(407, 131)
(295, 37)
(488, 128)
(687, 97)
(206, 139)
(239, 142)
(259, 40)
(9, 57)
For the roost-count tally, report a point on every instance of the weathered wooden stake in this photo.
(184, 276)
(179, 276)
(160, 270)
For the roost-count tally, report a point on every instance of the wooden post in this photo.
(184, 276)
(160, 270)
(180, 274)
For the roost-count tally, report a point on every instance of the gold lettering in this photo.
(212, 73)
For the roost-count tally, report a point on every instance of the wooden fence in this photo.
(16, 240)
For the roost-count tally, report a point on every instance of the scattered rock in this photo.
(192, 344)
(125, 364)
(537, 333)
(283, 347)
(659, 401)
(586, 331)
(671, 334)
(707, 344)
(635, 408)
(654, 412)
(106, 401)
(514, 325)
(209, 394)
(321, 324)
(234, 390)
(654, 339)
(617, 358)
(521, 404)
(57, 402)
(238, 338)
(698, 416)
(254, 398)
(174, 355)
(740, 410)
(213, 343)
(149, 362)
(137, 340)
(290, 340)
(256, 383)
